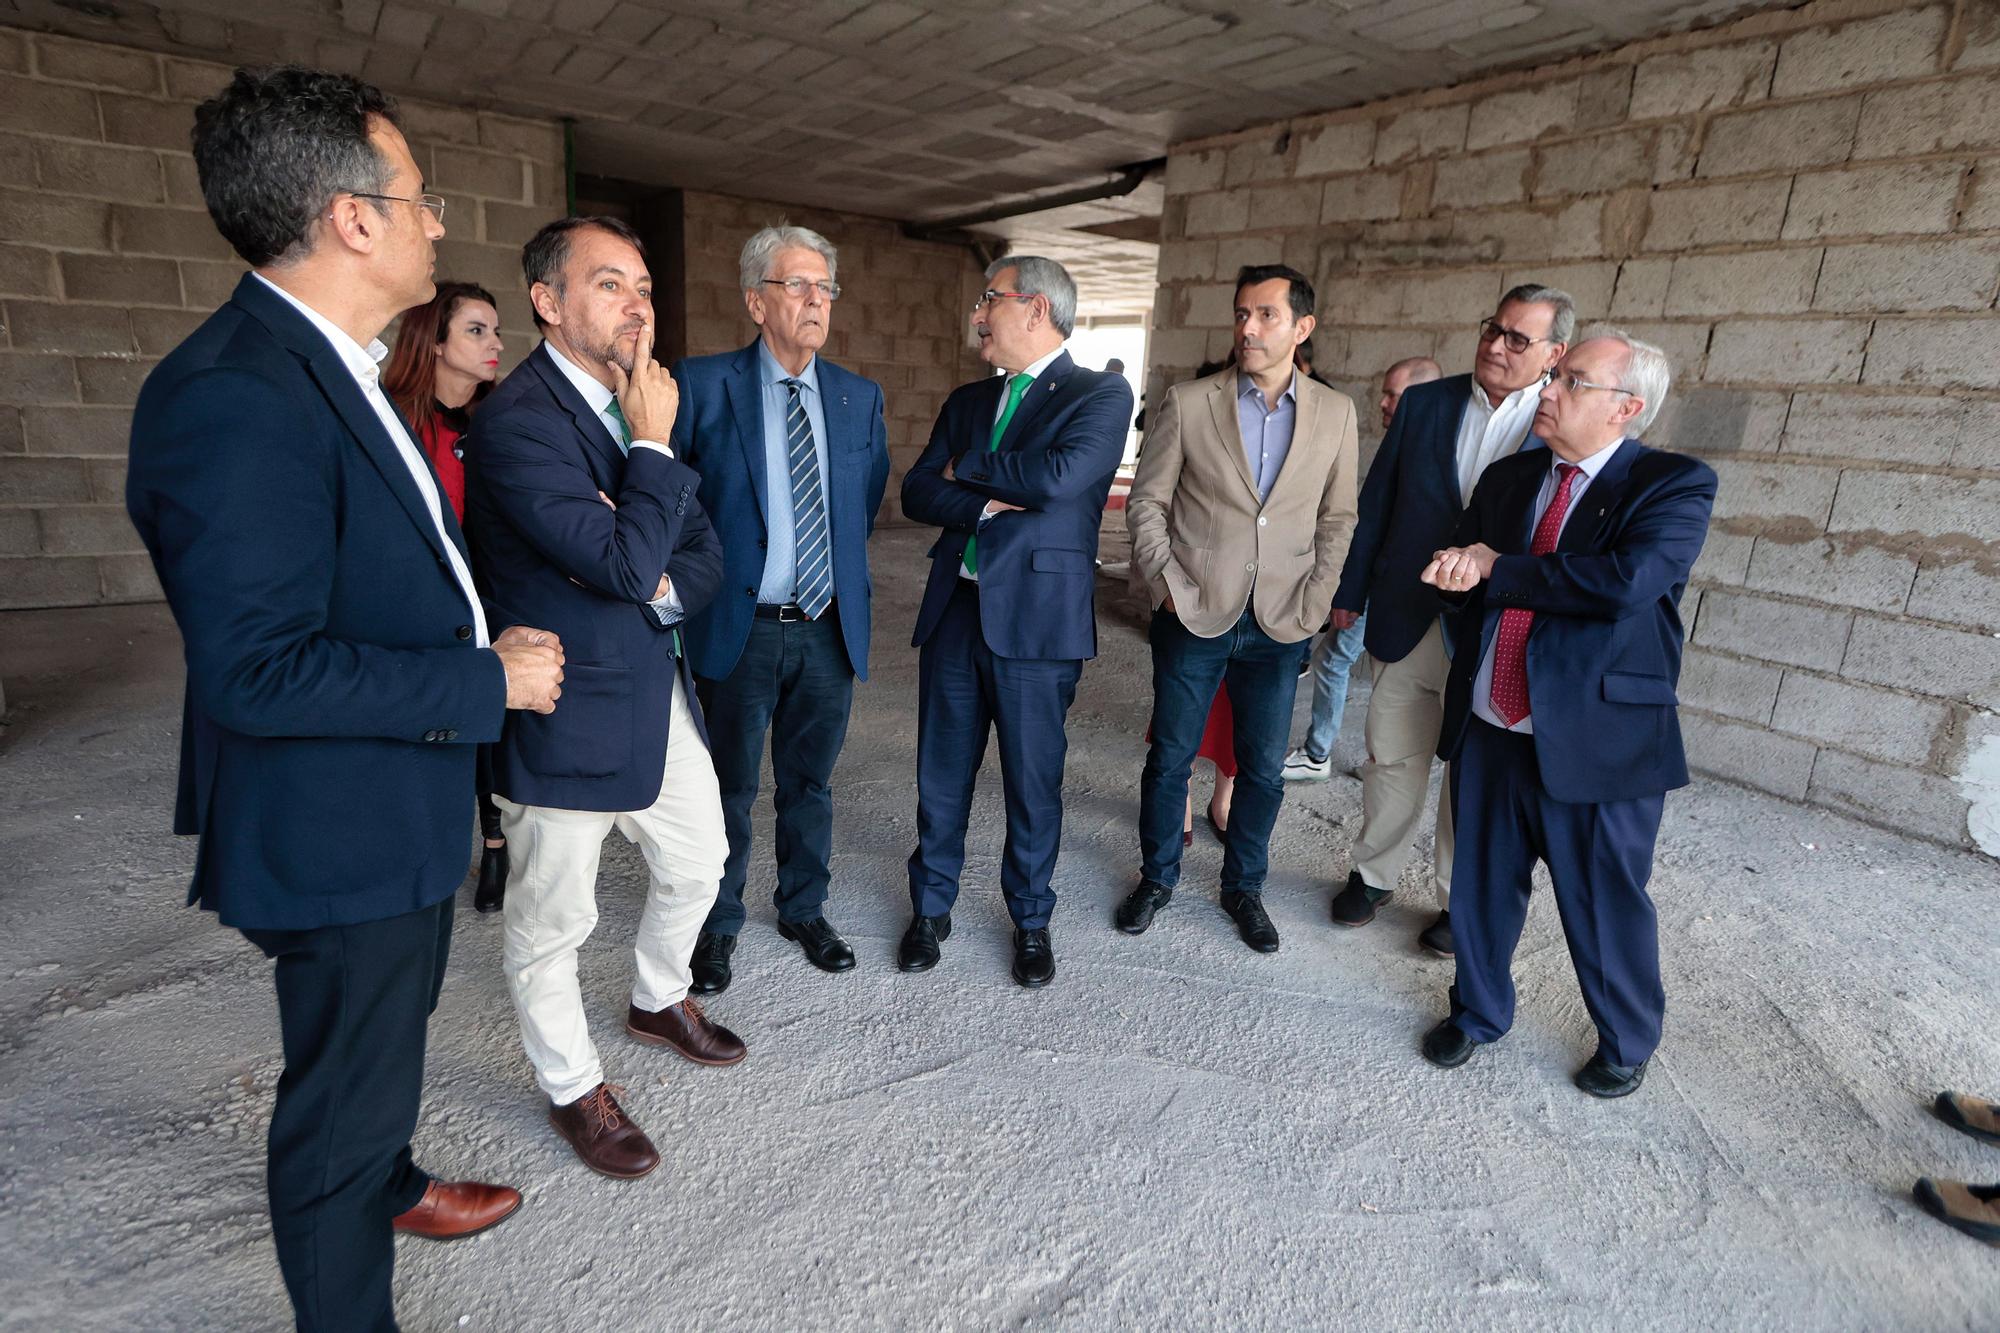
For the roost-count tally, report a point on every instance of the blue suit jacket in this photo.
(1409, 505)
(1037, 566)
(334, 691)
(1604, 653)
(553, 555)
(719, 432)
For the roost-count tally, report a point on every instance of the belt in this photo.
(787, 613)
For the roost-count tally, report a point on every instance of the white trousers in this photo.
(1405, 717)
(552, 904)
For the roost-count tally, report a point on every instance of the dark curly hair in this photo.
(275, 146)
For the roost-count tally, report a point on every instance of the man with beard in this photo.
(584, 518)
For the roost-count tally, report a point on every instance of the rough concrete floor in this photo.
(1178, 1133)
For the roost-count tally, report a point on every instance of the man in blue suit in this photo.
(1016, 473)
(1560, 721)
(339, 671)
(1443, 436)
(793, 456)
(583, 519)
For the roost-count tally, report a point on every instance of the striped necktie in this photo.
(1016, 387)
(813, 588)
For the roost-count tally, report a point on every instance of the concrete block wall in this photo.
(108, 259)
(901, 320)
(1803, 208)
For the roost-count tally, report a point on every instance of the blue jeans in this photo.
(1332, 658)
(1262, 675)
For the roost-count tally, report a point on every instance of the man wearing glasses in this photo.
(793, 456)
(1016, 473)
(1560, 720)
(1443, 436)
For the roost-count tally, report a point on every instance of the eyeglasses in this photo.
(989, 296)
(1516, 341)
(796, 286)
(1577, 384)
(433, 202)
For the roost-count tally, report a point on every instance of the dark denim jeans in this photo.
(1263, 678)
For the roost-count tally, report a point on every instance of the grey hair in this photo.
(1036, 276)
(762, 250)
(1646, 376)
(1563, 327)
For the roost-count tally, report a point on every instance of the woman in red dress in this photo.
(447, 358)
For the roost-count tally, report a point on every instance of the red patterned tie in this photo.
(1510, 653)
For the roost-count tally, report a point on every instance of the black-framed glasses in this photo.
(1577, 384)
(433, 202)
(1516, 340)
(797, 286)
(989, 296)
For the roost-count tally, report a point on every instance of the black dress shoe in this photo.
(1034, 960)
(919, 950)
(491, 895)
(1601, 1078)
(822, 943)
(1436, 937)
(1447, 1046)
(710, 963)
(1252, 922)
(1355, 904)
(1136, 912)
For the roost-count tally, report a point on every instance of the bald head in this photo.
(1410, 370)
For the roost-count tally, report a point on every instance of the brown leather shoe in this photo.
(454, 1208)
(688, 1030)
(604, 1136)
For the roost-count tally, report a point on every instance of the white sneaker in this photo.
(1302, 767)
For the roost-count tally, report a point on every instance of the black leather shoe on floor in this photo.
(1034, 959)
(1252, 922)
(919, 950)
(1355, 904)
(1136, 912)
(491, 895)
(1447, 1046)
(822, 943)
(1436, 937)
(1601, 1078)
(710, 963)
(1969, 1115)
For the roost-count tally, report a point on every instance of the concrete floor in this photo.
(1178, 1133)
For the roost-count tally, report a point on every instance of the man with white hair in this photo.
(793, 456)
(1560, 721)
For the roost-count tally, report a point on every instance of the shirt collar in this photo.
(1508, 404)
(770, 372)
(1036, 367)
(1592, 465)
(364, 363)
(1245, 386)
(593, 392)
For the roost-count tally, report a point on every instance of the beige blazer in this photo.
(1200, 534)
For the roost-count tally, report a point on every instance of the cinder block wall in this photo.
(108, 259)
(901, 319)
(1804, 209)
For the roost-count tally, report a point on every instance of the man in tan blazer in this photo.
(1240, 518)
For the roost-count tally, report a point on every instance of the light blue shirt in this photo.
(781, 565)
(1266, 429)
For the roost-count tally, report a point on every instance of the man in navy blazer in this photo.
(1560, 719)
(584, 520)
(1016, 473)
(1443, 436)
(793, 455)
(339, 671)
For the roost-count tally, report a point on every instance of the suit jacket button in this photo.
(450, 734)
(430, 736)
(763, 545)
(749, 592)
(463, 632)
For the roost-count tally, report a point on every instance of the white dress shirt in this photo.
(1487, 434)
(1482, 684)
(1034, 371)
(364, 363)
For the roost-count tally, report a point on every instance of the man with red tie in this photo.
(1560, 719)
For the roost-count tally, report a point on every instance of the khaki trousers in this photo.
(1405, 715)
(552, 904)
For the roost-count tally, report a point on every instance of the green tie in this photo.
(625, 443)
(1016, 387)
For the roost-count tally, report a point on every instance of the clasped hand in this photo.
(1459, 568)
(992, 506)
(533, 662)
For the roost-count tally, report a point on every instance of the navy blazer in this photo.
(334, 690)
(1038, 565)
(1409, 505)
(551, 554)
(1604, 652)
(719, 432)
